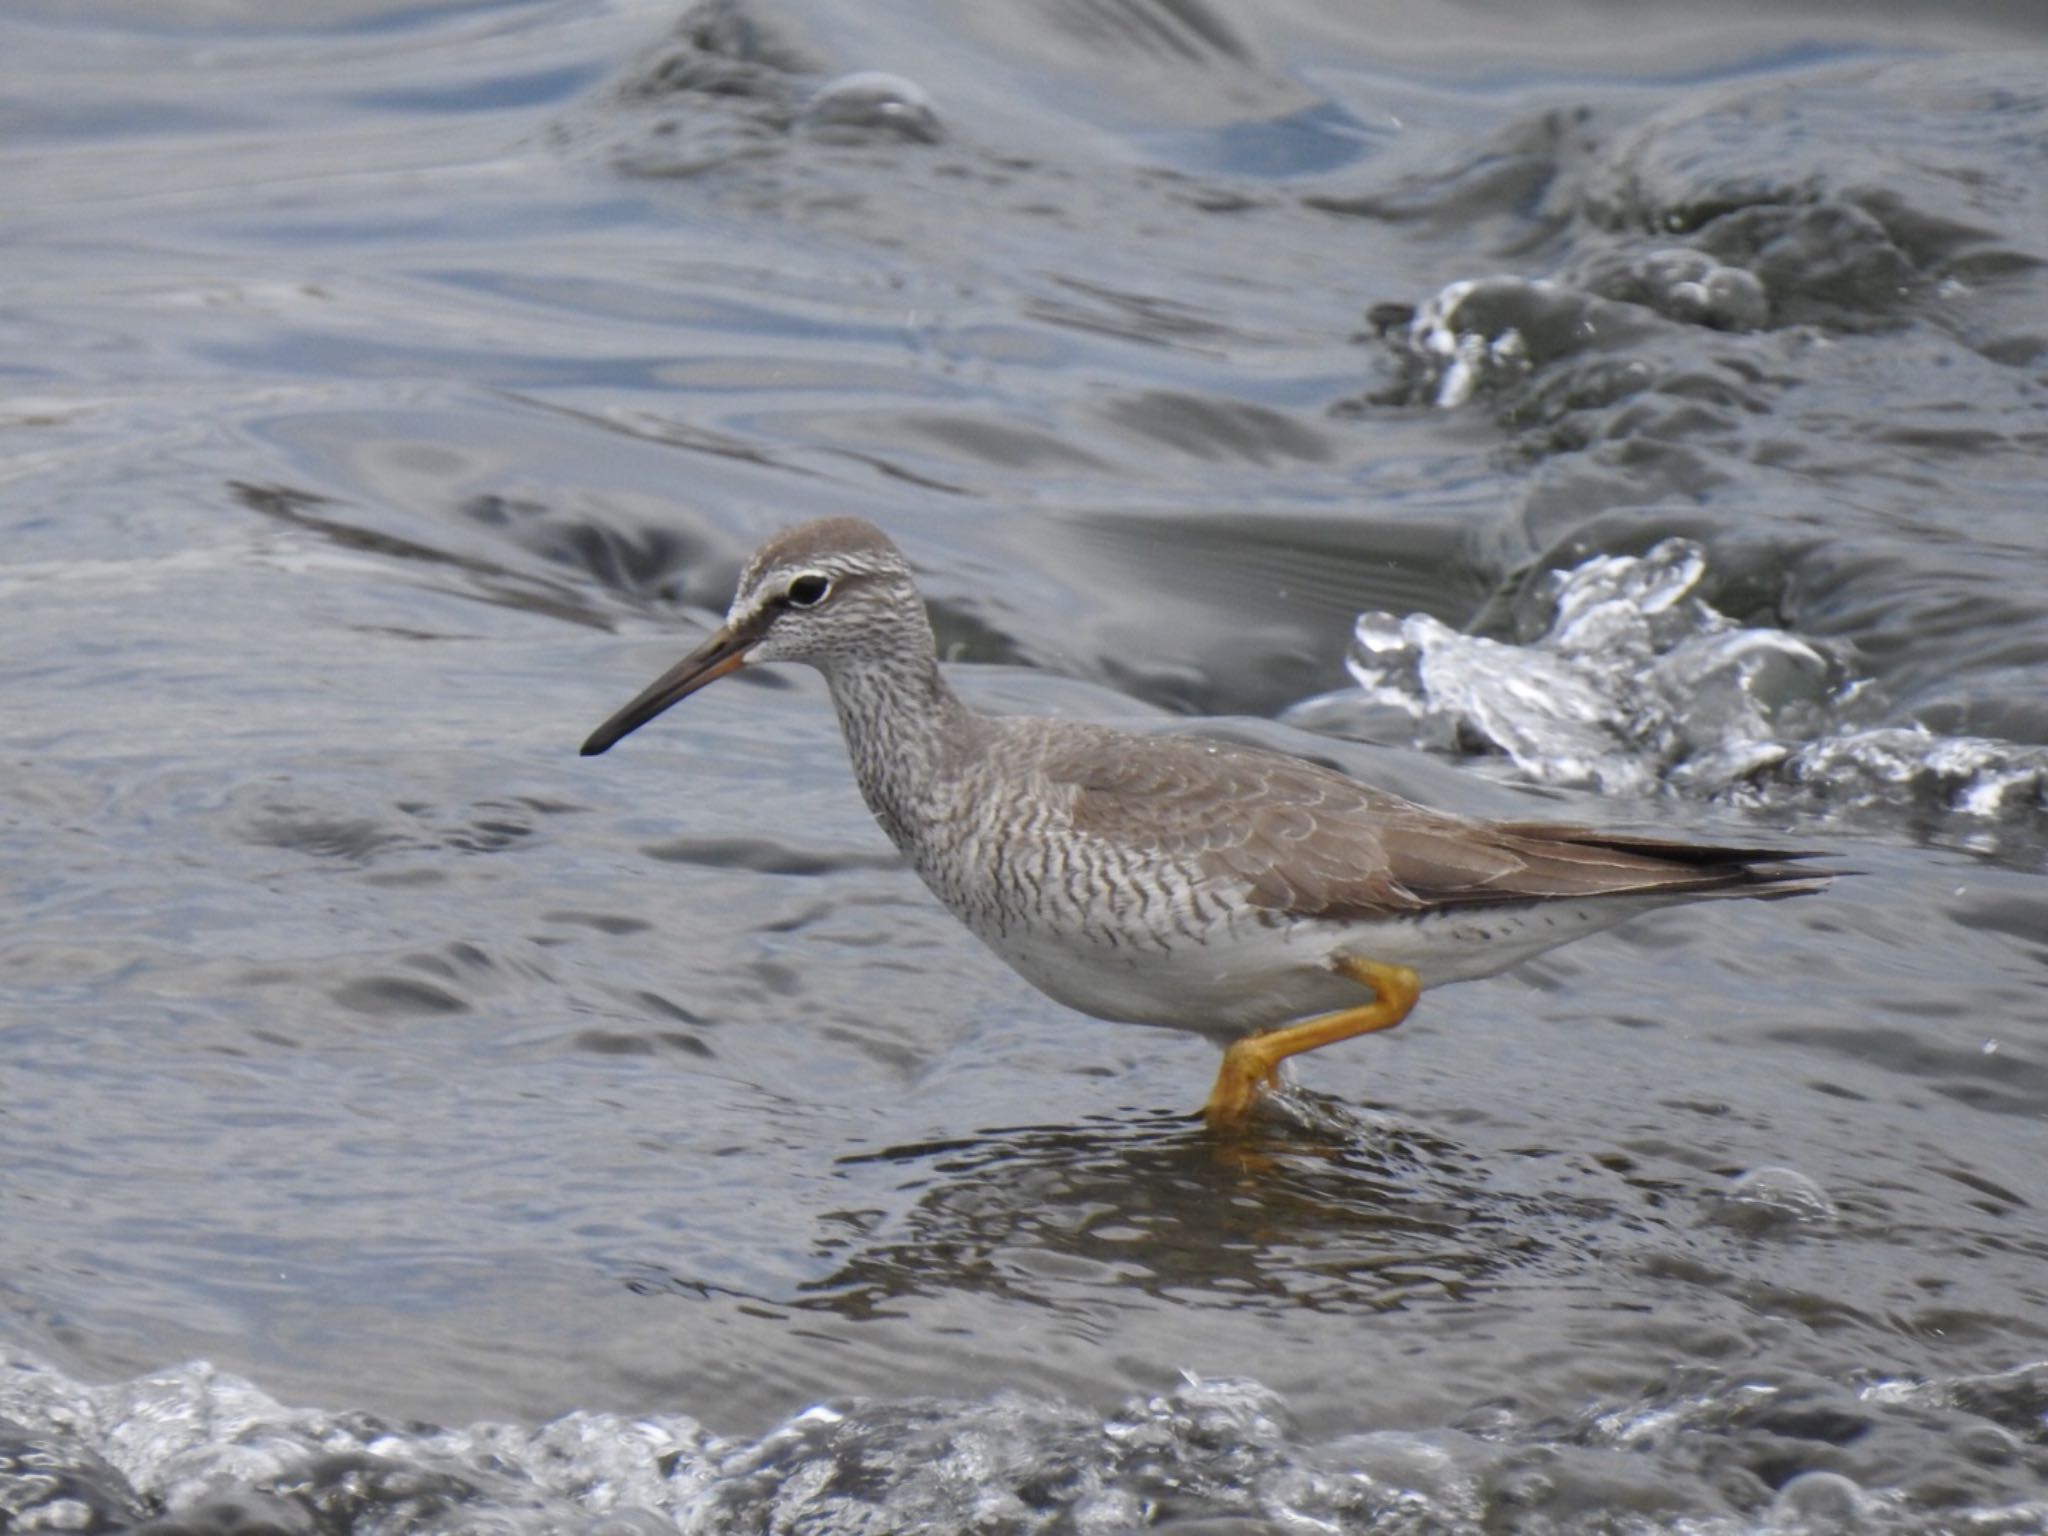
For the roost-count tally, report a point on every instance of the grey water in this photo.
(1631, 415)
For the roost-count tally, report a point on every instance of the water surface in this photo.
(410, 1126)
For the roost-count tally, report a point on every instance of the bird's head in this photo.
(829, 593)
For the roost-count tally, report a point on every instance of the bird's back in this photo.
(1301, 840)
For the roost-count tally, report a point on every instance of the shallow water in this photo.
(388, 393)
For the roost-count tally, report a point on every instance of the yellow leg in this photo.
(1253, 1063)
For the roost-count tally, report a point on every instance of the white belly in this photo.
(1224, 988)
(1251, 976)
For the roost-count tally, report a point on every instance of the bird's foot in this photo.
(1252, 1065)
(1246, 1073)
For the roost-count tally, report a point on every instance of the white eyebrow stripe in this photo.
(771, 586)
(737, 617)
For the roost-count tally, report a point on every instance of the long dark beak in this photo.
(724, 652)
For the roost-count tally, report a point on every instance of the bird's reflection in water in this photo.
(1320, 1210)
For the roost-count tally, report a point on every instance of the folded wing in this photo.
(1301, 840)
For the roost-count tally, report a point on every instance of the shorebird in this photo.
(1269, 903)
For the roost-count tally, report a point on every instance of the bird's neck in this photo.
(907, 733)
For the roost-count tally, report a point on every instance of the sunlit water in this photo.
(408, 1126)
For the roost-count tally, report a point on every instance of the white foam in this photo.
(1630, 682)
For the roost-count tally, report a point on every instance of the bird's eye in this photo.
(808, 591)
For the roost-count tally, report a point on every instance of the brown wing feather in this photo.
(1300, 839)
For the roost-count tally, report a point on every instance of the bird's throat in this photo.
(907, 733)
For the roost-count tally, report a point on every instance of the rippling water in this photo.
(408, 1126)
